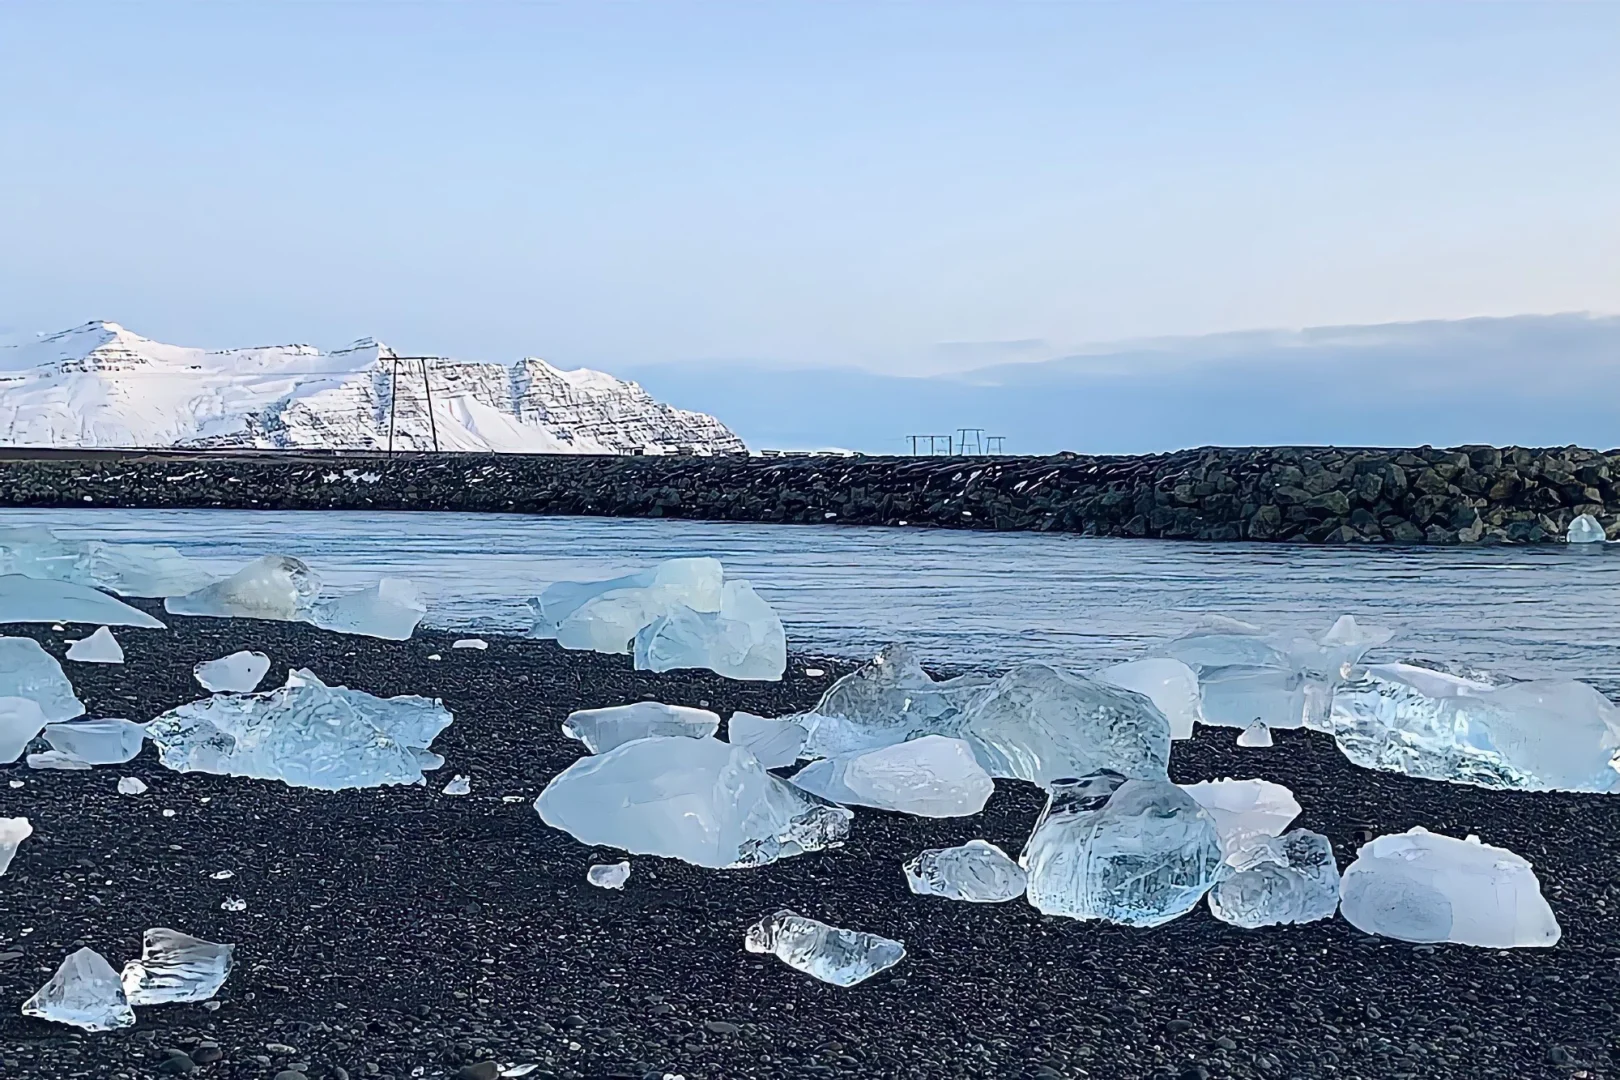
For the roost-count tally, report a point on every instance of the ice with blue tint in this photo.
(45, 600)
(239, 673)
(126, 569)
(99, 648)
(97, 742)
(776, 743)
(1169, 684)
(84, 993)
(276, 587)
(606, 616)
(1278, 879)
(176, 967)
(388, 609)
(28, 671)
(743, 640)
(833, 955)
(1585, 529)
(13, 831)
(888, 701)
(1244, 811)
(977, 872)
(933, 776)
(604, 729)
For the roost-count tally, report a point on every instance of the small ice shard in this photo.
(99, 648)
(776, 743)
(434, 656)
(223, 875)
(609, 875)
(1278, 879)
(390, 609)
(605, 616)
(699, 800)
(276, 587)
(427, 760)
(603, 729)
(85, 992)
(26, 599)
(814, 672)
(131, 785)
(99, 742)
(1138, 852)
(175, 967)
(515, 1071)
(1244, 811)
(470, 643)
(933, 776)
(743, 640)
(238, 673)
(233, 904)
(977, 871)
(56, 759)
(1585, 529)
(1421, 886)
(840, 957)
(458, 785)
(28, 671)
(20, 722)
(1169, 684)
(13, 831)
(1256, 734)
(168, 813)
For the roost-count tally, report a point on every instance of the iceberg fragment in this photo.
(126, 569)
(1255, 735)
(28, 671)
(13, 831)
(1585, 529)
(131, 785)
(776, 743)
(20, 721)
(833, 955)
(31, 600)
(1278, 879)
(1326, 662)
(609, 875)
(977, 871)
(1424, 887)
(276, 587)
(458, 785)
(97, 742)
(389, 609)
(238, 673)
(603, 729)
(605, 616)
(933, 776)
(743, 640)
(1244, 811)
(56, 759)
(175, 967)
(85, 992)
(1169, 684)
(99, 648)
(470, 643)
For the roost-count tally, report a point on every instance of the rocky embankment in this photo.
(1319, 495)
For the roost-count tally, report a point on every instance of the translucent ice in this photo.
(238, 673)
(1326, 662)
(700, 800)
(1421, 886)
(840, 957)
(1138, 852)
(888, 701)
(1169, 684)
(609, 875)
(276, 587)
(13, 831)
(470, 643)
(775, 743)
(85, 992)
(1585, 529)
(20, 721)
(131, 785)
(1278, 879)
(743, 640)
(933, 776)
(605, 616)
(603, 729)
(175, 967)
(56, 759)
(458, 785)
(125, 569)
(977, 871)
(99, 742)
(1244, 811)
(1242, 676)
(390, 609)
(1256, 734)
(26, 599)
(306, 734)
(28, 671)
(99, 648)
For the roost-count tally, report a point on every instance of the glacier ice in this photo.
(20, 721)
(99, 648)
(306, 734)
(45, 600)
(277, 587)
(97, 742)
(888, 701)
(933, 776)
(1585, 529)
(1278, 879)
(603, 729)
(1326, 662)
(609, 875)
(28, 671)
(56, 759)
(126, 569)
(131, 785)
(13, 831)
(699, 800)
(743, 640)
(1169, 684)
(1244, 811)
(1256, 734)
(389, 609)
(238, 673)
(85, 992)
(470, 643)
(1421, 886)
(1531, 736)
(1138, 852)
(977, 871)
(605, 616)
(776, 743)
(458, 785)
(175, 967)
(833, 955)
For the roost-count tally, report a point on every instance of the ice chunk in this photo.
(977, 871)
(85, 992)
(1585, 529)
(305, 734)
(28, 671)
(13, 831)
(20, 721)
(238, 673)
(99, 742)
(605, 616)
(700, 800)
(126, 569)
(56, 759)
(1244, 811)
(390, 609)
(609, 875)
(458, 785)
(888, 701)
(175, 967)
(99, 648)
(776, 743)
(1138, 852)
(1531, 736)
(1169, 684)
(1256, 734)
(1326, 662)
(743, 640)
(233, 904)
(276, 587)
(840, 957)
(131, 785)
(470, 643)
(603, 729)
(1242, 676)
(29, 600)
(933, 776)
(1421, 886)
(1278, 879)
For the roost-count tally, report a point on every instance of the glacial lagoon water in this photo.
(962, 598)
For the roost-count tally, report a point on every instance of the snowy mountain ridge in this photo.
(100, 385)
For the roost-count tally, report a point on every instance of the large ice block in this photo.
(85, 993)
(1328, 660)
(1169, 684)
(389, 609)
(20, 721)
(888, 701)
(743, 640)
(276, 587)
(833, 955)
(42, 600)
(776, 743)
(97, 742)
(175, 967)
(605, 616)
(1278, 879)
(977, 871)
(126, 569)
(99, 648)
(13, 831)
(1585, 529)
(603, 729)
(28, 671)
(238, 673)
(1244, 811)
(933, 776)
(699, 800)
(1421, 886)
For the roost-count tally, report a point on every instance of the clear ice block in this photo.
(833, 955)
(238, 673)
(275, 587)
(933, 776)
(40, 600)
(97, 742)
(978, 872)
(1278, 879)
(85, 993)
(175, 967)
(603, 729)
(99, 648)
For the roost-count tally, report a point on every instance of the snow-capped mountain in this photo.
(101, 385)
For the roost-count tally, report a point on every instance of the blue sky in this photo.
(618, 185)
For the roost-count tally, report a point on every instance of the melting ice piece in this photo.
(99, 648)
(1244, 811)
(56, 759)
(20, 721)
(458, 785)
(1138, 852)
(888, 701)
(1585, 529)
(603, 729)
(1242, 676)
(98, 742)
(131, 785)
(175, 967)
(84, 992)
(1533, 736)
(840, 957)
(609, 875)
(933, 776)
(1326, 662)
(470, 643)
(977, 871)
(26, 599)
(238, 673)
(276, 587)
(390, 609)
(699, 800)
(1256, 734)
(1421, 886)
(1169, 684)
(1278, 879)
(13, 831)
(28, 671)
(605, 616)
(306, 734)
(233, 904)
(125, 569)
(743, 640)
(776, 743)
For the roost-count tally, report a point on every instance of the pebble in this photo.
(207, 1053)
(288, 1074)
(721, 1027)
(483, 1070)
(178, 1063)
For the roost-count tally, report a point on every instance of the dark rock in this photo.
(177, 1064)
(483, 1070)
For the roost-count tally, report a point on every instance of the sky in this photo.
(904, 188)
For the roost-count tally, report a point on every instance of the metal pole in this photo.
(428, 386)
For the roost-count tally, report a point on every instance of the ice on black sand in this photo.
(238, 673)
(833, 955)
(99, 648)
(978, 872)
(27, 671)
(38, 600)
(97, 742)
(609, 875)
(604, 729)
(933, 776)
(85, 992)
(776, 743)
(176, 967)
(13, 831)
